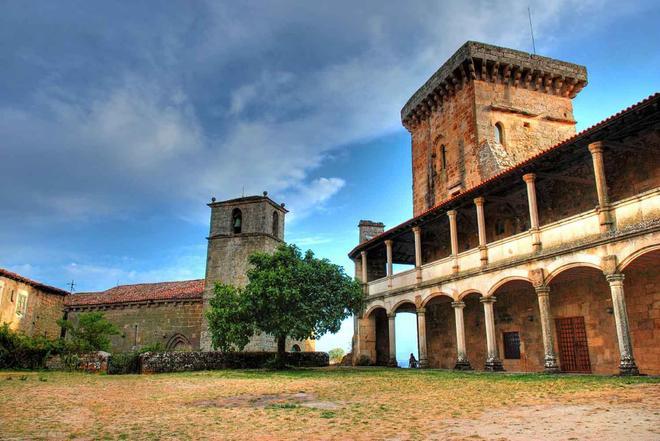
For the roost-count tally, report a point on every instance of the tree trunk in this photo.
(280, 361)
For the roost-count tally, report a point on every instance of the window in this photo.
(511, 345)
(499, 133)
(443, 157)
(295, 348)
(236, 221)
(276, 223)
(21, 303)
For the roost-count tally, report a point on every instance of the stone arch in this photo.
(295, 348)
(373, 308)
(434, 296)
(552, 273)
(400, 304)
(500, 283)
(636, 254)
(178, 342)
(236, 221)
(469, 291)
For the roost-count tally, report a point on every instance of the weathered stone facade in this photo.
(30, 307)
(529, 253)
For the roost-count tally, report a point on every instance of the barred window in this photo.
(512, 345)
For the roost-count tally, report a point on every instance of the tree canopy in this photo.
(90, 333)
(288, 295)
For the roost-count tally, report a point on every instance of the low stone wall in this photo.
(161, 362)
(93, 362)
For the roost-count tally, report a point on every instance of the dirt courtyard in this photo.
(325, 404)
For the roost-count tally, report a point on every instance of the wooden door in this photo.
(573, 346)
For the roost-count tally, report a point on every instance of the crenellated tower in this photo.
(486, 109)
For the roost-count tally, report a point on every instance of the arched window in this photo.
(276, 223)
(499, 133)
(443, 157)
(295, 348)
(236, 221)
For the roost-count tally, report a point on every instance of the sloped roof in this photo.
(588, 134)
(41, 286)
(183, 290)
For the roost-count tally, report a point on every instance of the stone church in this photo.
(531, 247)
(172, 313)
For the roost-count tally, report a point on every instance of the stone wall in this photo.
(154, 363)
(174, 325)
(43, 309)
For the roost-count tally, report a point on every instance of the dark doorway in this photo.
(573, 346)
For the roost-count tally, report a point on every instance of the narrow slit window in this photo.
(276, 223)
(443, 157)
(499, 133)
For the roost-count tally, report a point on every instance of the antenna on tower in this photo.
(531, 28)
(71, 286)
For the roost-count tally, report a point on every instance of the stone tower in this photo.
(239, 227)
(486, 109)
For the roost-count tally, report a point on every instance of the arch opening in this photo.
(236, 221)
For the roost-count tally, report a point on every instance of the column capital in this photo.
(391, 315)
(480, 200)
(596, 147)
(363, 253)
(416, 229)
(529, 177)
(614, 278)
(451, 213)
(421, 310)
(490, 299)
(542, 291)
(458, 304)
(388, 242)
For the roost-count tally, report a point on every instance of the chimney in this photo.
(370, 229)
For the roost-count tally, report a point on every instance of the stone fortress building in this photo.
(532, 248)
(172, 313)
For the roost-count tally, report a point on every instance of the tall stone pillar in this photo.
(392, 337)
(550, 359)
(530, 182)
(421, 337)
(453, 233)
(604, 209)
(417, 233)
(627, 366)
(493, 362)
(481, 224)
(388, 248)
(365, 273)
(462, 362)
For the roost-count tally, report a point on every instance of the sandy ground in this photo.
(328, 404)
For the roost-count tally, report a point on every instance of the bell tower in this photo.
(239, 227)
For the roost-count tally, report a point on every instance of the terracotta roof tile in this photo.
(187, 289)
(42, 286)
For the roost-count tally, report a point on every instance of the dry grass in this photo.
(332, 403)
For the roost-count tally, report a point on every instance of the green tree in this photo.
(288, 295)
(336, 355)
(90, 333)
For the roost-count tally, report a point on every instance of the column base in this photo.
(392, 363)
(462, 365)
(550, 366)
(494, 365)
(628, 367)
(423, 364)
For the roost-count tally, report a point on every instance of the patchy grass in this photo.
(303, 404)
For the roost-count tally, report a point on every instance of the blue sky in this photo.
(119, 121)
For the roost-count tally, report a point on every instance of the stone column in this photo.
(392, 338)
(604, 211)
(493, 362)
(481, 224)
(421, 337)
(627, 365)
(417, 232)
(530, 179)
(453, 233)
(550, 359)
(363, 254)
(388, 247)
(462, 362)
